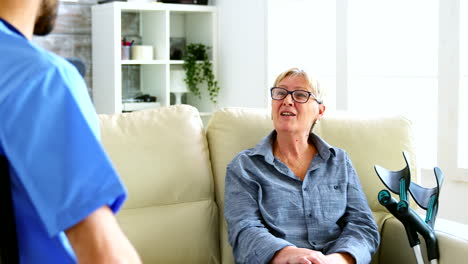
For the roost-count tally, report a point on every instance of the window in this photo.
(387, 57)
(392, 65)
(463, 105)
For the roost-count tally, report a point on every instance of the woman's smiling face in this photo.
(291, 116)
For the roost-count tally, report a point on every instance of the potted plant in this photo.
(198, 70)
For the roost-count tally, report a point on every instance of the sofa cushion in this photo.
(162, 158)
(369, 140)
(230, 131)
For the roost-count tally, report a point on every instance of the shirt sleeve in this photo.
(50, 133)
(360, 236)
(250, 239)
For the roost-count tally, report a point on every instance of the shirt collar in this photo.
(265, 147)
(11, 28)
(324, 149)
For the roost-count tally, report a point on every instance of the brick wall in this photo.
(72, 34)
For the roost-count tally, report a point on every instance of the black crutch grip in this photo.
(391, 204)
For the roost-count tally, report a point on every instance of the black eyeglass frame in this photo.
(292, 96)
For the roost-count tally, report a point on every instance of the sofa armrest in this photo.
(452, 238)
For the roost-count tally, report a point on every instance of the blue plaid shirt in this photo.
(268, 208)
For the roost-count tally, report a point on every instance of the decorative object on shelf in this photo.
(145, 98)
(141, 99)
(178, 86)
(142, 52)
(126, 52)
(196, 2)
(199, 72)
(126, 46)
(177, 48)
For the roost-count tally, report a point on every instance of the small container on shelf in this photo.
(142, 52)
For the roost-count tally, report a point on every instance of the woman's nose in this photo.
(288, 100)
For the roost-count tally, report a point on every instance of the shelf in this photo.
(152, 24)
(180, 62)
(137, 62)
(156, 6)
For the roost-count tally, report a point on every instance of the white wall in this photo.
(242, 68)
(299, 36)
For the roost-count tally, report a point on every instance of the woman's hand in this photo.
(294, 255)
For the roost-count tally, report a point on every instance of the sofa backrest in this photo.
(162, 158)
(369, 140)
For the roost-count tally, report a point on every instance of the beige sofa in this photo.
(174, 171)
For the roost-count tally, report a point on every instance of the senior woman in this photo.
(294, 198)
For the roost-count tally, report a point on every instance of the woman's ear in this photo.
(321, 111)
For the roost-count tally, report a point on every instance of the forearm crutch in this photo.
(399, 182)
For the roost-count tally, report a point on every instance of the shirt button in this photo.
(305, 189)
(310, 215)
(335, 187)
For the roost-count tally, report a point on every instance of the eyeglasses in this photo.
(299, 96)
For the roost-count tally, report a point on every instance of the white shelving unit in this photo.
(157, 23)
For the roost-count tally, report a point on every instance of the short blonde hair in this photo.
(313, 84)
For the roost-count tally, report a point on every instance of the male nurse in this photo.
(65, 191)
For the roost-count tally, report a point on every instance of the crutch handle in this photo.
(391, 204)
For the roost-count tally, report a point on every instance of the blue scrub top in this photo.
(49, 132)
